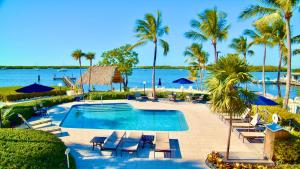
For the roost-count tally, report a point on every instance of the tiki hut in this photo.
(102, 75)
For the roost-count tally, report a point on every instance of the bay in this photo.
(23, 77)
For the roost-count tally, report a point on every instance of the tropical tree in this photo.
(241, 47)
(151, 29)
(90, 56)
(211, 25)
(226, 97)
(260, 36)
(77, 55)
(197, 59)
(124, 58)
(277, 31)
(272, 11)
(193, 75)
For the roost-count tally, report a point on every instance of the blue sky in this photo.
(45, 32)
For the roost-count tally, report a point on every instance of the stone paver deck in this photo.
(206, 133)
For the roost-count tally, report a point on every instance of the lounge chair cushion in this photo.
(252, 134)
(162, 146)
(162, 137)
(49, 129)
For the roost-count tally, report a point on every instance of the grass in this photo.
(9, 93)
(24, 148)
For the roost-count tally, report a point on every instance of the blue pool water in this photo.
(123, 117)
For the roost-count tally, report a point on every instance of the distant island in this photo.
(253, 68)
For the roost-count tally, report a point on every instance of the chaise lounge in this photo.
(162, 143)
(47, 129)
(254, 122)
(131, 143)
(112, 142)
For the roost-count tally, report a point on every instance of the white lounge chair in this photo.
(112, 142)
(162, 143)
(254, 122)
(47, 128)
(131, 143)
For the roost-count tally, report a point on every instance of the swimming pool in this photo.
(122, 116)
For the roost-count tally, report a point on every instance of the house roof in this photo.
(102, 75)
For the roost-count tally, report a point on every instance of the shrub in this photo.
(287, 151)
(215, 160)
(11, 119)
(123, 95)
(9, 94)
(20, 148)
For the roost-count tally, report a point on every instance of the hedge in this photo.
(123, 95)
(9, 93)
(11, 119)
(32, 149)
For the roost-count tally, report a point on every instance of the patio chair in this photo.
(251, 135)
(138, 97)
(241, 118)
(253, 123)
(112, 142)
(199, 99)
(162, 143)
(150, 96)
(131, 143)
(189, 98)
(172, 97)
(49, 129)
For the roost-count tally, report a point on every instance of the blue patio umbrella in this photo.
(183, 81)
(263, 101)
(33, 88)
(159, 82)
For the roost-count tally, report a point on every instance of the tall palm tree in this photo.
(150, 29)
(277, 32)
(197, 59)
(211, 25)
(260, 37)
(77, 55)
(193, 74)
(90, 56)
(241, 46)
(225, 75)
(272, 11)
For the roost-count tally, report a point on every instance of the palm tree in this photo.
(277, 32)
(241, 46)
(272, 11)
(212, 25)
(150, 29)
(197, 59)
(90, 56)
(225, 75)
(260, 37)
(193, 74)
(77, 55)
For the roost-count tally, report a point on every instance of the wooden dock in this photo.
(69, 81)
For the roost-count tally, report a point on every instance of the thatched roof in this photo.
(102, 75)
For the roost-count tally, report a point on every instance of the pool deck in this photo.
(206, 133)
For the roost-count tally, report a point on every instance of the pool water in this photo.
(123, 116)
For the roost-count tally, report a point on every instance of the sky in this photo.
(45, 32)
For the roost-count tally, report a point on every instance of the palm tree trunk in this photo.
(153, 70)
(289, 60)
(90, 75)
(263, 71)
(229, 137)
(279, 70)
(215, 50)
(200, 79)
(81, 86)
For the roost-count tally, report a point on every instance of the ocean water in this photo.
(22, 77)
(122, 116)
